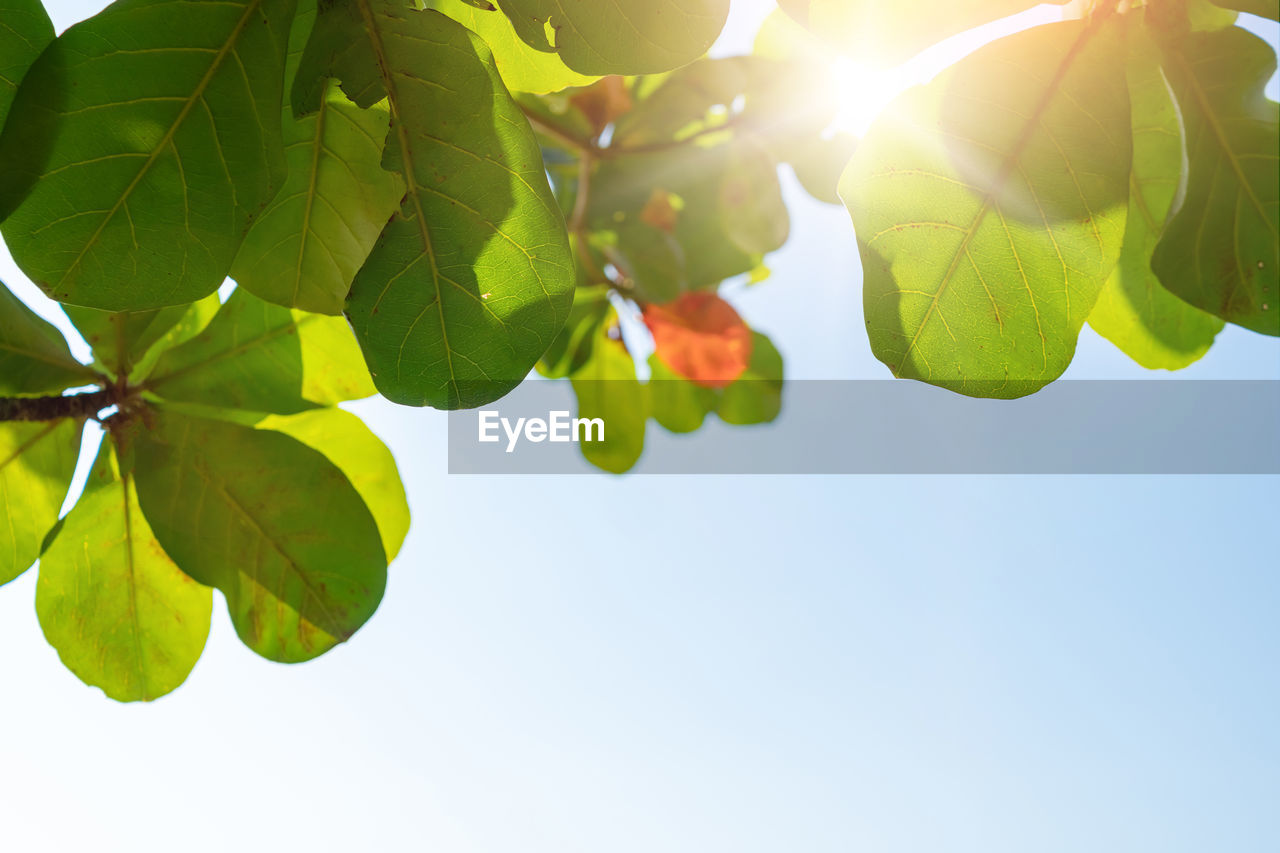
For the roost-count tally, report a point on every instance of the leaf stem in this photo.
(85, 405)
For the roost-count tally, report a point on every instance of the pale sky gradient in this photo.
(720, 665)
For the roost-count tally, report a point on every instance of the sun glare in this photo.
(864, 89)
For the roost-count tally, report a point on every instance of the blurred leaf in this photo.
(34, 358)
(272, 523)
(756, 396)
(603, 102)
(148, 137)
(700, 337)
(122, 616)
(472, 279)
(1261, 8)
(888, 33)
(621, 36)
(651, 261)
(25, 30)
(677, 404)
(264, 358)
(1221, 249)
(755, 216)
(572, 347)
(819, 162)
(305, 248)
(523, 68)
(1148, 323)
(623, 186)
(990, 209)
(607, 388)
(37, 461)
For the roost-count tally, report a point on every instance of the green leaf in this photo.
(756, 396)
(472, 278)
(572, 347)
(523, 68)
(620, 36)
(37, 462)
(677, 404)
(120, 338)
(607, 388)
(755, 216)
(264, 358)
(650, 260)
(990, 210)
(148, 137)
(1261, 8)
(623, 186)
(819, 162)
(122, 616)
(305, 248)
(34, 358)
(270, 522)
(346, 442)
(1221, 249)
(1148, 323)
(25, 30)
(888, 33)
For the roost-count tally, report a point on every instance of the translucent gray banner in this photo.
(900, 427)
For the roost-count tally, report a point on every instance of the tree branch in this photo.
(85, 405)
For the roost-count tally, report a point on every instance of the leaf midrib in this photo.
(1007, 168)
(410, 179)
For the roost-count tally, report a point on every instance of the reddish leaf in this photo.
(700, 337)
(660, 211)
(603, 101)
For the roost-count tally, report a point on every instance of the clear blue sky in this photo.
(698, 665)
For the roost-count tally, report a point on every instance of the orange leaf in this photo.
(603, 101)
(700, 337)
(659, 211)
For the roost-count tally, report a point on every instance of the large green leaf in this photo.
(346, 442)
(34, 358)
(619, 36)
(890, 32)
(1221, 250)
(148, 137)
(305, 248)
(25, 30)
(472, 278)
(264, 358)
(990, 210)
(607, 388)
(1151, 325)
(523, 68)
(122, 616)
(272, 523)
(37, 461)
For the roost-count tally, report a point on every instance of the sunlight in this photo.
(864, 89)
